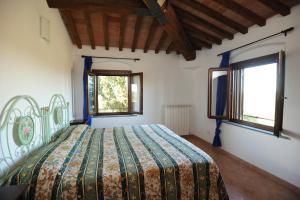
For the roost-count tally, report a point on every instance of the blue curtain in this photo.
(88, 62)
(221, 98)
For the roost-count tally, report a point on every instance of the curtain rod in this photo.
(134, 59)
(279, 33)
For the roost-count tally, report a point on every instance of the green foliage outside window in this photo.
(249, 118)
(113, 93)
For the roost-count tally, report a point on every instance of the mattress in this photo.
(130, 162)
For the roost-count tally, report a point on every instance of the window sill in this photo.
(112, 116)
(249, 127)
(270, 133)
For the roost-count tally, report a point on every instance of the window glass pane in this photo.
(217, 75)
(136, 93)
(91, 93)
(112, 94)
(260, 94)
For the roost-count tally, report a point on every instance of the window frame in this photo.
(209, 98)
(278, 58)
(126, 73)
(141, 91)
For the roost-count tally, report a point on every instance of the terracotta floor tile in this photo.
(245, 181)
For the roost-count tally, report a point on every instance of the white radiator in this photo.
(177, 118)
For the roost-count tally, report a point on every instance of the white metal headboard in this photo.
(24, 127)
(58, 116)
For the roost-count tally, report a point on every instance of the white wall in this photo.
(28, 64)
(277, 156)
(164, 83)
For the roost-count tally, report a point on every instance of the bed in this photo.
(130, 162)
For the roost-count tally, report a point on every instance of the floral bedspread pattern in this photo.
(132, 162)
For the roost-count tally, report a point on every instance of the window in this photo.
(115, 92)
(255, 92)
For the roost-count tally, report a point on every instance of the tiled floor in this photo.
(245, 181)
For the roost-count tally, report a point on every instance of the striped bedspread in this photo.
(134, 162)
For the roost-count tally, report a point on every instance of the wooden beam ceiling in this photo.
(277, 6)
(198, 22)
(191, 6)
(152, 30)
(137, 29)
(196, 45)
(178, 35)
(123, 20)
(186, 25)
(200, 40)
(68, 27)
(162, 39)
(243, 11)
(202, 34)
(70, 20)
(172, 27)
(105, 19)
(90, 29)
(170, 48)
(125, 7)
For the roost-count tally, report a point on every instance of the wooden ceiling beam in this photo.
(83, 3)
(90, 31)
(196, 44)
(123, 20)
(105, 31)
(136, 34)
(191, 6)
(66, 23)
(198, 22)
(175, 30)
(200, 40)
(242, 11)
(162, 39)
(205, 43)
(124, 7)
(171, 25)
(170, 48)
(203, 34)
(70, 20)
(152, 30)
(277, 6)
(199, 43)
